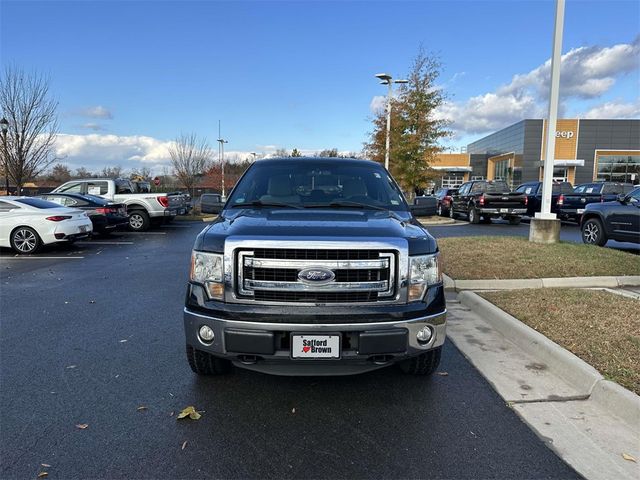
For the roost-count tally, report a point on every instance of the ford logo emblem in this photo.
(316, 275)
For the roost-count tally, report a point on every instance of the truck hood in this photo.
(289, 224)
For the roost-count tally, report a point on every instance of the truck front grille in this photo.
(272, 275)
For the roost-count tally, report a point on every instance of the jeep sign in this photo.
(564, 134)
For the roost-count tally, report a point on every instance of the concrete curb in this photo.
(575, 371)
(519, 283)
(426, 222)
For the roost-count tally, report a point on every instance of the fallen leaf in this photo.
(626, 456)
(92, 301)
(442, 374)
(46, 465)
(293, 410)
(184, 444)
(42, 474)
(71, 366)
(190, 412)
(123, 340)
(141, 408)
(82, 426)
(171, 414)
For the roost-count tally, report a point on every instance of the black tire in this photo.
(474, 217)
(204, 363)
(514, 220)
(25, 241)
(423, 364)
(593, 233)
(139, 221)
(452, 214)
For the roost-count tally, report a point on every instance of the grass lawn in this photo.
(601, 328)
(476, 258)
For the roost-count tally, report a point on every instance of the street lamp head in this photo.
(401, 81)
(383, 76)
(4, 124)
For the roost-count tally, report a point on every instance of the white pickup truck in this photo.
(144, 209)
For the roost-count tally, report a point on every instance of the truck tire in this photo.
(25, 241)
(474, 217)
(423, 364)
(452, 214)
(514, 220)
(204, 363)
(139, 221)
(593, 233)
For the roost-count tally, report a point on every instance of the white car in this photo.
(28, 223)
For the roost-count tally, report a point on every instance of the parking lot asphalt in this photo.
(91, 340)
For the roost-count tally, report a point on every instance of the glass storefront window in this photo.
(560, 175)
(619, 168)
(452, 181)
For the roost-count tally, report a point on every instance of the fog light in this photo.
(424, 334)
(206, 334)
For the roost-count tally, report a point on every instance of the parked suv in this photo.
(444, 197)
(315, 266)
(142, 208)
(616, 220)
(571, 206)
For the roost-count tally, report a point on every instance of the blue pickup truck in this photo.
(572, 206)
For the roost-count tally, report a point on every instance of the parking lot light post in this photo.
(4, 126)
(386, 79)
(545, 227)
(222, 141)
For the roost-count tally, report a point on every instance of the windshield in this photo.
(38, 203)
(307, 184)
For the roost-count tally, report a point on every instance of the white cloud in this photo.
(97, 111)
(378, 104)
(586, 73)
(616, 109)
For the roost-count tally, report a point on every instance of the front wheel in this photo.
(423, 364)
(452, 214)
(139, 221)
(593, 233)
(204, 363)
(25, 240)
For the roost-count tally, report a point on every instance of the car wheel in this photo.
(139, 221)
(593, 233)
(514, 220)
(452, 214)
(473, 216)
(25, 240)
(204, 363)
(440, 210)
(423, 364)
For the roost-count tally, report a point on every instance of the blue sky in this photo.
(130, 76)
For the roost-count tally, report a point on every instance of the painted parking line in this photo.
(97, 242)
(25, 257)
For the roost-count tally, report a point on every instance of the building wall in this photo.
(451, 160)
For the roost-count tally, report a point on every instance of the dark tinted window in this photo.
(38, 203)
(317, 183)
(589, 188)
(5, 206)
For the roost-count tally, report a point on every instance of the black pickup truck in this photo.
(617, 220)
(482, 200)
(533, 191)
(315, 266)
(571, 206)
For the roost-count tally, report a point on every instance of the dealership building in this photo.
(586, 150)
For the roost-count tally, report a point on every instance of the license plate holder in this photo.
(306, 346)
(504, 210)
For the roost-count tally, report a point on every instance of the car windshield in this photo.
(309, 184)
(38, 203)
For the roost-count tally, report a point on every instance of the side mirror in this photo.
(424, 207)
(211, 203)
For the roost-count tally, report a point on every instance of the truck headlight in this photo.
(424, 270)
(207, 270)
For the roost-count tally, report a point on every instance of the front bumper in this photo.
(264, 347)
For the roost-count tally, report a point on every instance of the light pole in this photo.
(222, 141)
(386, 79)
(545, 227)
(4, 125)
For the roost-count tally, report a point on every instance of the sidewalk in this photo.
(587, 420)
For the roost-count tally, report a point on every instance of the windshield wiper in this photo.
(347, 204)
(260, 203)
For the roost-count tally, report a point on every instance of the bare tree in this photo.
(190, 159)
(33, 123)
(112, 172)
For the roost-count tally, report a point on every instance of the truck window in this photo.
(97, 188)
(496, 187)
(72, 188)
(123, 186)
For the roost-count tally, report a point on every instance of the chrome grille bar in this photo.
(380, 286)
(332, 264)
